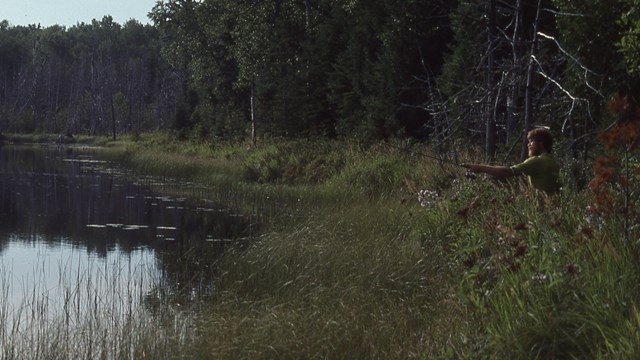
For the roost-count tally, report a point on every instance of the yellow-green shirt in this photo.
(542, 171)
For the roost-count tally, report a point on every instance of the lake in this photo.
(84, 244)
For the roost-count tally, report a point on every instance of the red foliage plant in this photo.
(624, 137)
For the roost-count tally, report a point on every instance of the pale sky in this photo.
(71, 12)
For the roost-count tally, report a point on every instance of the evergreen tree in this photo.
(594, 68)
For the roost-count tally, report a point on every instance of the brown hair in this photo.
(543, 136)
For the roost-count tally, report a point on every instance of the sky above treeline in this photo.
(71, 12)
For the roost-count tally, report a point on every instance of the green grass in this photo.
(91, 313)
(349, 276)
(543, 280)
(353, 282)
(354, 267)
(483, 270)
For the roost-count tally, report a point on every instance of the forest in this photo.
(219, 70)
(340, 124)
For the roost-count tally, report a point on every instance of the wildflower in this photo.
(463, 212)
(571, 269)
(587, 231)
(470, 261)
(521, 250)
(514, 266)
(540, 278)
(427, 197)
(521, 226)
(556, 223)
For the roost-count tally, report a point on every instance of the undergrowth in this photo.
(397, 256)
(475, 269)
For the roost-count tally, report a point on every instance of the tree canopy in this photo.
(212, 69)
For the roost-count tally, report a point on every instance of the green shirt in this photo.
(543, 172)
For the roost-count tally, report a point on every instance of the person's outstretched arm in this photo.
(499, 172)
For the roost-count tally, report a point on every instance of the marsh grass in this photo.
(340, 270)
(95, 309)
(543, 278)
(343, 283)
(354, 266)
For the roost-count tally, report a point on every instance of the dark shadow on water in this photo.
(66, 197)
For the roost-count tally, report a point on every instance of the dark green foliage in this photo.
(297, 162)
(596, 69)
(366, 70)
(90, 78)
(629, 44)
(319, 68)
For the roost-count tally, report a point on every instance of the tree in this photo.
(494, 93)
(594, 68)
(15, 50)
(179, 29)
(71, 80)
(628, 26)
(304, 67)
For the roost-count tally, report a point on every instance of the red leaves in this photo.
(608, 183)
(571, 269)
(521, 249)
(623, 136)
(618, 104)
(625, 108)
(521, 226)
(465, 210)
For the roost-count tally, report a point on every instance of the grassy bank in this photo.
(350, 278)
(395, 256)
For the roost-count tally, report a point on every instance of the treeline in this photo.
(220, 69)
(99, 78)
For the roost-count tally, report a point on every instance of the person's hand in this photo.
(471, 167)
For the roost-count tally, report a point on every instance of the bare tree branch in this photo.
(575, 60)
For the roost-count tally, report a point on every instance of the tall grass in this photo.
(356, 267)
(349, 283)
(349, 277)
(544, 278)
(92, 311)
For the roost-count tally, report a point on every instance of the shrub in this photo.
(616, 178)
(379, 176)
(293, 162)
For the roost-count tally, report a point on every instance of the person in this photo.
(541, 169)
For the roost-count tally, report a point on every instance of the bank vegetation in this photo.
(397, 255)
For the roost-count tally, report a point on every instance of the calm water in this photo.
(76, 238)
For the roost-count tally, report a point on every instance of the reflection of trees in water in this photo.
(188, 262)
(69, 202)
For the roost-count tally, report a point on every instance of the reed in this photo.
(340, 270)
(389, 254)
(94, 310)
(341, 283)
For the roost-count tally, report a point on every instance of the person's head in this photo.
(540, 140)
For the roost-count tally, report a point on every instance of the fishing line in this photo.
(440, 159)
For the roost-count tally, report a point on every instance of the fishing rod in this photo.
(408, 147)
(440, 159)
(468, 173)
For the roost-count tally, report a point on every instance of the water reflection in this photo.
(61, 204)
(61, 283)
